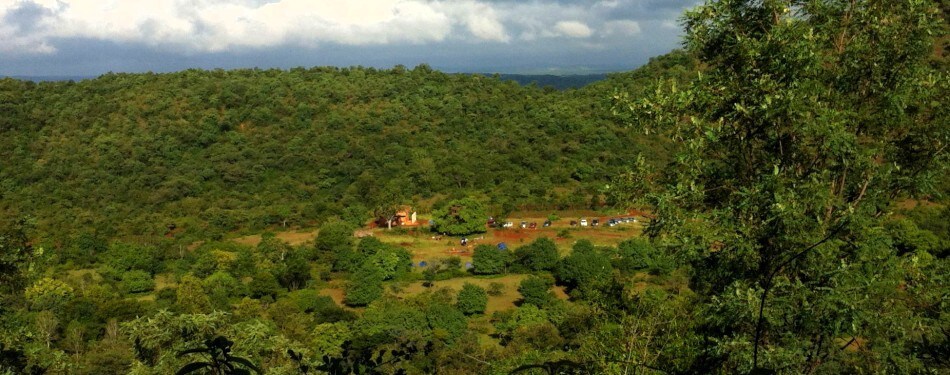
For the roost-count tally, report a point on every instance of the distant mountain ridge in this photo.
(560, 82)
(50, 78)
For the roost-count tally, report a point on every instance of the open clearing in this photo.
(428, 246)
(293, 237)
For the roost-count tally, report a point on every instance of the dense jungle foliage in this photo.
(793, 159)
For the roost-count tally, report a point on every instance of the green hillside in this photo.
(773, 199)
(214, 151)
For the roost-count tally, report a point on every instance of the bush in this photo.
(221, 287)
(265, 284)
(334, 245)
(584, 267)
(496, 288)
(48, 294)
(447, 319)
(540, 255)
(137, 281)
(472, 299)
(489, 260)
(535, 290)
(323, 309)
(365, 285)
(638, 254)
(461, 217)
(908, 237)
(392, 261)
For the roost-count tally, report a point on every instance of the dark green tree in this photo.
(489, 260)
(471, 299)
(137, 281)
(264, 284)
(540, 255)
(334, 245)
(461, 217)
(365, 285)
(810, 118)
(536, 290)
(584, 267)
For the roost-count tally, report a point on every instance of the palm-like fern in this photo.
(220, 361)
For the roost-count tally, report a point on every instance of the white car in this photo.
(583, 222)
(508, 224)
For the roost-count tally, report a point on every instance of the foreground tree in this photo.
(811, 118)
(219, 360)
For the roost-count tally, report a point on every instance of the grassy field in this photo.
(293, 237)
(427, 246)
(424, 245)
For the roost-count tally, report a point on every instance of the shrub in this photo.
(496, 288)
(472, 299)
(535, 290)
(540, 255)
(461, 217)
(137, 281)
(584, 267)
(365, 285)
(489, 260)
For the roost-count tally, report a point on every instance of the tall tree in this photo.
(461, 217)
(810, 118)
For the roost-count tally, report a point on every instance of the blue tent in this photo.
(468, 265)
(423, 264)
(502, 246)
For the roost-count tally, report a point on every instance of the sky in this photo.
(92, 37)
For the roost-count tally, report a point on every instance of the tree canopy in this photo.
(810, 118)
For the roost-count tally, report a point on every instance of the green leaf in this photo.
(192, 367)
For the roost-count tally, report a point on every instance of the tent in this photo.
(502, 246)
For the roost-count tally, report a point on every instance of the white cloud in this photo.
(622, 28)
(216, 25)
(480, 19)
(573, 29)
(198, 26)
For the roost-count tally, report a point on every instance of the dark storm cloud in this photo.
(25, 16)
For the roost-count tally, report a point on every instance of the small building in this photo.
(404, 216)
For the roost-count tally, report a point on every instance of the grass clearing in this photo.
(425, 245)
(292, 237)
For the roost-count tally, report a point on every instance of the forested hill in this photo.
(560, 82)
(215, 151)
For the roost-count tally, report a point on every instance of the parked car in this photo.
(594, 222)
(573, 223)
(547, 223)
(524, 224)
(533, 225)
(611, 222)
(583, 222)
(509, 224)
